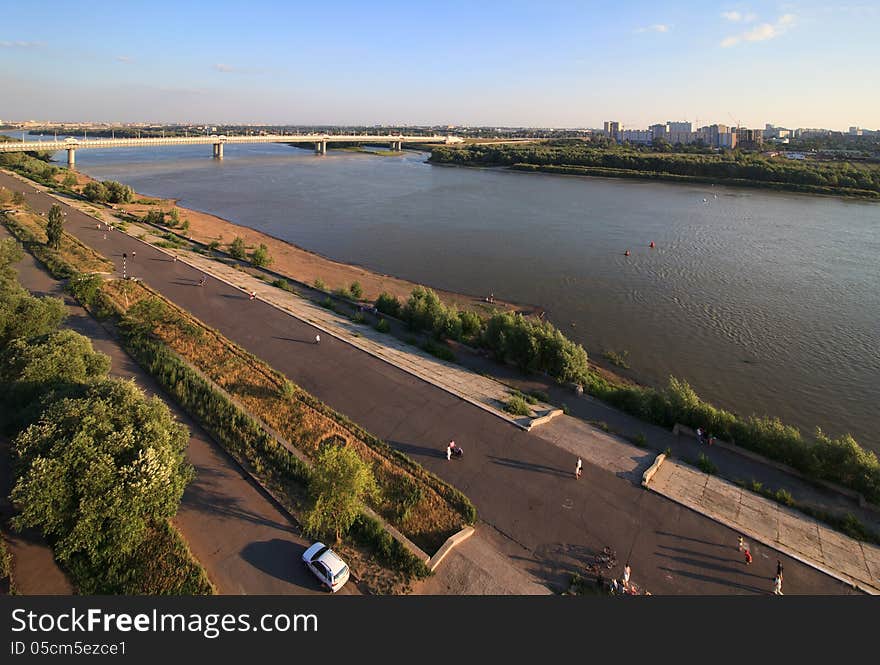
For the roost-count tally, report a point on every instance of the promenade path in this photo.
(760, 519)
(533, 510)
(244, 541)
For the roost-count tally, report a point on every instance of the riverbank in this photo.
(304, 265)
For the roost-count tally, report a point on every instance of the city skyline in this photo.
(747, 64)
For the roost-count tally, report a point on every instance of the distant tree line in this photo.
(842, 177)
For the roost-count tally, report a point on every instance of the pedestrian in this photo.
(700, 434)
(133, 254)
(105, 236)
(779, 568)
(626, 574)
(175, 258)
(253, 295)
(317, 339)
(711, 440)
(203, 280)
(124, 256)
(742, 544)
(747, 556)
(777, 585)
(578, 469)
(449, 450)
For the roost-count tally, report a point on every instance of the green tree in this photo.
(55, 227)
(237, 249)
(18, 198)
(173, 217)
(356, 290)
(53, 363)
(260, 257)
(340, 483)
(117, 192)
(69, 180)
(95, 191)
(97, 470)
(154, 217)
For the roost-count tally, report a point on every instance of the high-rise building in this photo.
(855, 131)
(679, 126)
(612, 129)
(749, 138)
(659, 131)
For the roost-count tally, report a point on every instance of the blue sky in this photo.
(561, 64)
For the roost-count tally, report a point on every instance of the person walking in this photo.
(578, 469)
(777, 585)
(449, 449)
(317, 339)
(700, 434)
(711, 440)
(626, 574)
(747, 555)
(175, 258)
(133, 254)
(779, 568)
(203, 280)
(253, 295)
(742, 544)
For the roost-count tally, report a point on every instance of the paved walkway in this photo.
(481, 391)
(760, 519)
(547, 523)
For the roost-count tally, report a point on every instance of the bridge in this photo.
(320, 141)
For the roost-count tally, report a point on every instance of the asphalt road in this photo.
(523, 487)
(244, 541)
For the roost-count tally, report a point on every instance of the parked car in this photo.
(327, 566)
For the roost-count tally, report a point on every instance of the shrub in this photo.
(540, 395)
(237, 249)
(95, 191)
(706, 465)
(319, 284)
(282, 284)
(641, 440)
(358, 317)
(356, 291)
(214, 245)
(517, 406)
(388, 304)
(439, 350)
(156, 217)
(260, 257)
(382, 326)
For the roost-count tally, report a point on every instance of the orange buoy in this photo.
(626, 253)
(651, 245)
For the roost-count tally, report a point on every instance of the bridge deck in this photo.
(80, 144)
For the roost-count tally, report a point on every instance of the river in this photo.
(765, 302)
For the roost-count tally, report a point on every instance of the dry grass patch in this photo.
(415, 501)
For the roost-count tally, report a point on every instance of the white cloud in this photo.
(124, 58)
(761, 32)
(739, 17)
(20, 44)
(226, 69)
(657, 27)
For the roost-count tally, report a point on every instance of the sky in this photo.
(510, 63)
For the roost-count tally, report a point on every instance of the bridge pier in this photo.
(71, 158)
(218, 151)
(321, 148)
